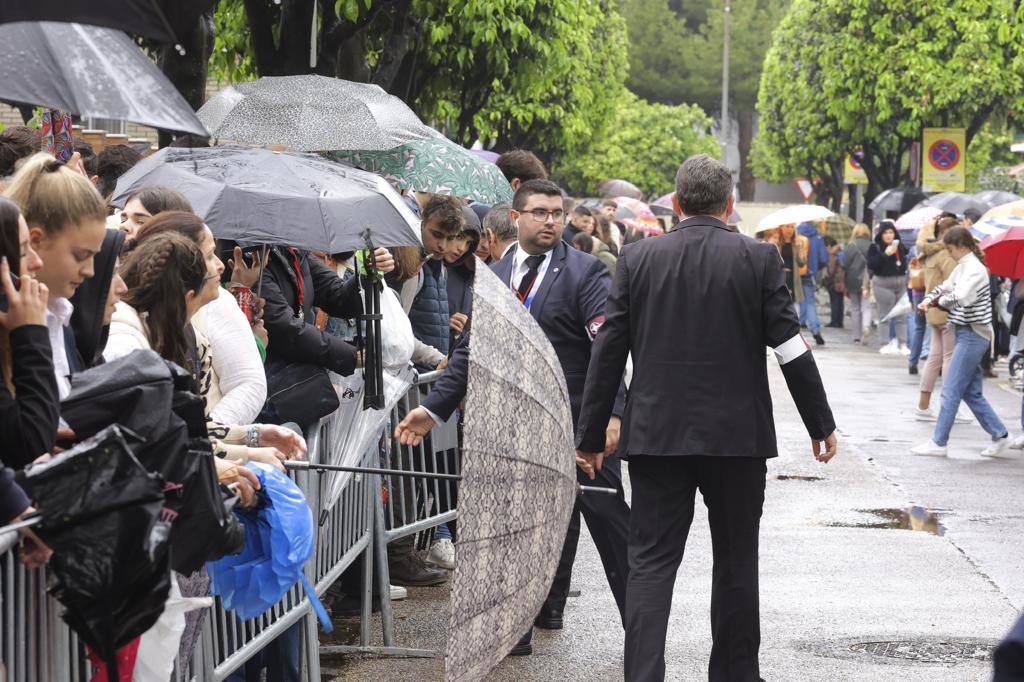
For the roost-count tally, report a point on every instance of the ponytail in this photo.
(962, 237)
(52, 196)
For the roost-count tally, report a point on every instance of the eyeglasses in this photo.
(541, 215)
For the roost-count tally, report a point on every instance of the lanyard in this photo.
(298, 275)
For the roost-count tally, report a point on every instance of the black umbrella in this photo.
(897, 200)
(161, 20)
(954, 202)
(257, 196)
(996, 197)
(89, 71)
(102, 516)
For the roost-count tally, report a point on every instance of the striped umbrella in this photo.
(992, 227)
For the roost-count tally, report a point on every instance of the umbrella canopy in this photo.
(102, 517)
(435, 165)
(954, 202)
(156, 19)
(518, 484)
(637, 215)
(918, 218)
(896, 200)
(312, 113)
(105, 75)
(486, 155)
(1004, 252)
(793, 215)
(619, 188)
(992, 227)
(1012, 208)
(256, 196)
(667, 201)
(997, 197)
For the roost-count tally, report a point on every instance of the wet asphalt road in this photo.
(846, 594)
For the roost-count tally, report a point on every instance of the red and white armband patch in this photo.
(594, 326)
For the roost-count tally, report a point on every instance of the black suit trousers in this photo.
(664, 489)
(607, 519)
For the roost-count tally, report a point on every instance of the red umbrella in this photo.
(1004, 253)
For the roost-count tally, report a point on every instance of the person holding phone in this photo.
(887, 262)
(29, 404)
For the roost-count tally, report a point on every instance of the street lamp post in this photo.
(725, 80)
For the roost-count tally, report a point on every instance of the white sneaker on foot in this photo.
(442, 554)
(925, 415)
(996, 448)
(398, 593)
(929, 449)
(905, 350)
(1017, 443)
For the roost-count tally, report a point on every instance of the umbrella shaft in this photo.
(21, 524)
(584, 489)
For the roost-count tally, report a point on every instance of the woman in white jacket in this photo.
(966, 296)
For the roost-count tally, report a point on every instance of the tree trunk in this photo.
(399, 41)
(188, 72)
(747, 181)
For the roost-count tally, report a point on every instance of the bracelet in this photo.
(252, 435)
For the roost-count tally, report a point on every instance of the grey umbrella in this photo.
(89, 71)
(996, 197)
(954, 202)
(620, 188)
(518, 482)
(257, 196)
(312, 113)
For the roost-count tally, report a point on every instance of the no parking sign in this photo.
(944, 151)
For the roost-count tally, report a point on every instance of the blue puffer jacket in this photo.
(429, 311)
(817, 254)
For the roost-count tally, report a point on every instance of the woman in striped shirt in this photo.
(966, 296)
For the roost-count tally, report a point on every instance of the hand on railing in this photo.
(414, 427)
(286, 441)
(34, 552)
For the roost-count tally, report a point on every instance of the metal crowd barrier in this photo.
(37, 646)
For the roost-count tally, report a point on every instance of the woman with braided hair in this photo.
(965, 295)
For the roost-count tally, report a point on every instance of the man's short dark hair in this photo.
(499, 222)
(973, 214)
(113, 162)
(583, 211)
(704, 186)
(17, 143)
(448, 211)
(521, 164)
(531, 187)
(88, 154)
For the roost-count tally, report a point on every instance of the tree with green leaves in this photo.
(644, 143)
(676, 56)
(873, 74)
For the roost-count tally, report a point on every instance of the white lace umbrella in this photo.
(793, 215)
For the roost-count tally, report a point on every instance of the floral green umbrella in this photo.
(435, 165)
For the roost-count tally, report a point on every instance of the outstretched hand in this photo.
(414, 427)
(829, 452)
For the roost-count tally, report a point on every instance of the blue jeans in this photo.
(809, 307)
(919, 329)
(964, 383)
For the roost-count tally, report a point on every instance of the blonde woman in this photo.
(855, 262)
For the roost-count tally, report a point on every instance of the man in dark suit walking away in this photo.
(697, 308)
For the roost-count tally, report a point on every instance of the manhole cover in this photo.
(926, 652)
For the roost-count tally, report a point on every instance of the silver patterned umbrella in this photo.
(518, 482)
(312, 113)
(90, 71)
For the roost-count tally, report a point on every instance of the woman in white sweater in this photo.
(965, 295)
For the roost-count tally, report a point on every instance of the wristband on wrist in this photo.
(252, 435)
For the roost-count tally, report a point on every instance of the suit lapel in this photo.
(555, 268)
(503, 268)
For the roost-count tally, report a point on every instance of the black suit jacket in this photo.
(697, 308)
(568, 306)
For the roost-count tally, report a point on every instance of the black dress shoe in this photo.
(819, 339)
(412, 571)
(913, 369)
(548, 619)
(525, 645)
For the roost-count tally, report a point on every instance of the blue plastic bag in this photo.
(279, 539)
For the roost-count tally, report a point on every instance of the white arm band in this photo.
(791, 350)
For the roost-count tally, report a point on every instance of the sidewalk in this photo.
(834, 585)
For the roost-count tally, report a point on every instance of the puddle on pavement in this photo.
(794, 477)
(908, 518)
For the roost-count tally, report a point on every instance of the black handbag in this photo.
(298, 392)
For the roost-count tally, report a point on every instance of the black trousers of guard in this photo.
(664, 489)
(607, 519)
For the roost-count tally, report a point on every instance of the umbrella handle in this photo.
(590, 489)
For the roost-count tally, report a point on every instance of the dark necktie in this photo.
(526, 284)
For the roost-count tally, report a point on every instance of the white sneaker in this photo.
(1017, 443)
(398, 593)
(929, 449)
(905, 350)
(891, 348)
(996, 448)
(442, 554)
(926, 415)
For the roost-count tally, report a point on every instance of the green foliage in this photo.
(989, 149)
(644, 143)
(874, 73)
(231, 60)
